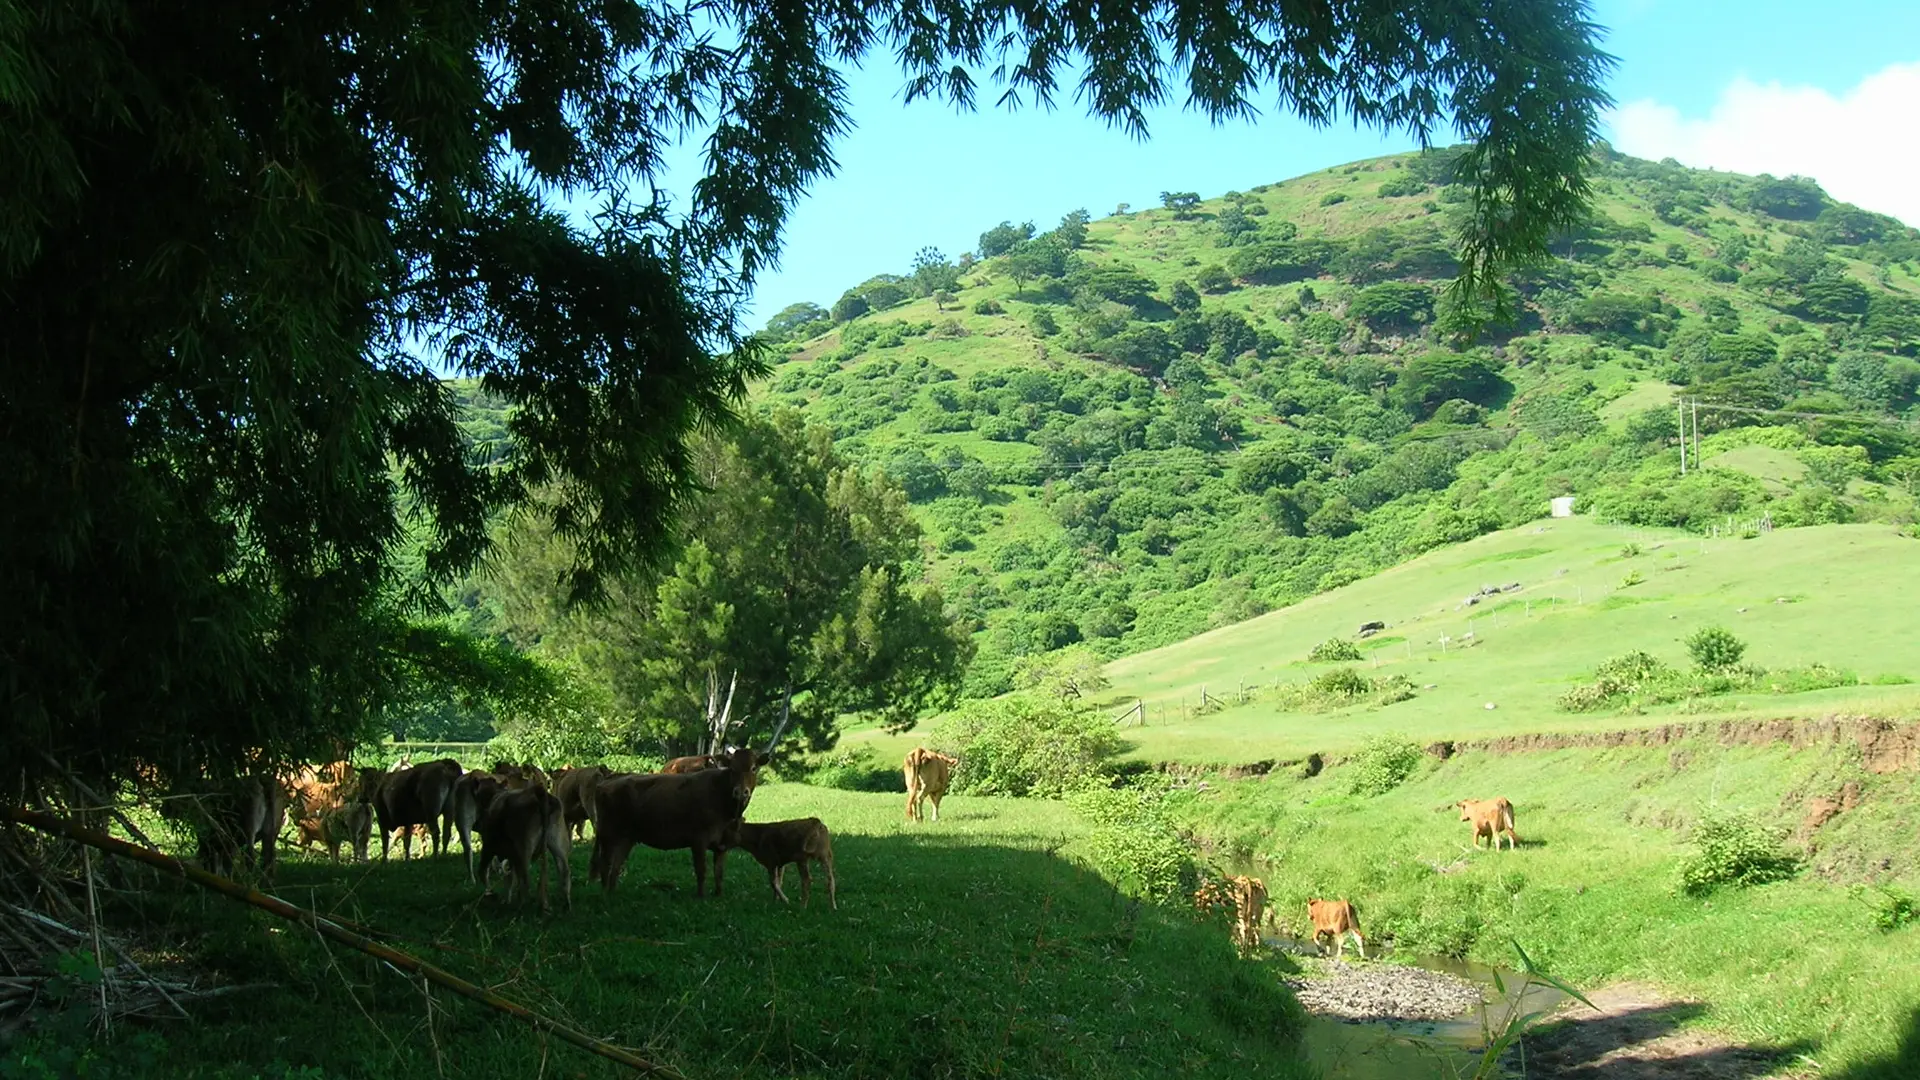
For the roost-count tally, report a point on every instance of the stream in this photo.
(1375, 1020)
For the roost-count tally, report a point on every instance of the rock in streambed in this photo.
(1376, 991)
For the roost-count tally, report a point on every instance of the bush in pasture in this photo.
(1032, 744)
(1630, 675)
(1135, 844)
(1714, 648)
(1734, 850)
(1334, 649)
(1400, 186)
(1341, 682)
(1383, 763)
(1892, 908)
(987, 307)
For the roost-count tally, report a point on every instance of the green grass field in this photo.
(1847, 592)
(973, 947)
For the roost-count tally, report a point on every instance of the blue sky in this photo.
(1829, 90)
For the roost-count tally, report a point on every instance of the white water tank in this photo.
(1563, 506)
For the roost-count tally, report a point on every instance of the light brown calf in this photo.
(1335, 918)
(693, 763)
(1490, 817)
(344, 823)
(928, 774)
(777, 844)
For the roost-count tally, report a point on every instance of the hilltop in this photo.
(1133, 429)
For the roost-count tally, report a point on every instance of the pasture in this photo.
(1838, 594)
(1794, 970)
(969, 948)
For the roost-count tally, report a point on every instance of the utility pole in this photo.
(1683, 437)
(1696, 434)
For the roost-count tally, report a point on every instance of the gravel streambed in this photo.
(1375, 991)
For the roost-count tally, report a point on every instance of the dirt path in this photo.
(1636, 1036)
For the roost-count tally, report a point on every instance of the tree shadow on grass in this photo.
(1643, 1041)
(1902, 1064)
(970, 954)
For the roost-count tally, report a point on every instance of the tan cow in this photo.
(928, 774)
(1249, 905)
(1335, 918)
(694, 763)
(576, 789)
(241, 813)
(777, 844)
(1490, 817)
(671, 811)
(1244, 899)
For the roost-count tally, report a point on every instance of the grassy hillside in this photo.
(1136, 429)
(1833, 594)
(1837, 594)
(967, 948)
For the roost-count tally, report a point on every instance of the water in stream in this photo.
(1417, 1049)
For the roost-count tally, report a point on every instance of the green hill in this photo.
(1135, 429)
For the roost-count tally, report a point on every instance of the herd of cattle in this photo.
(521, 813)
(1246, 897)
(699, 803)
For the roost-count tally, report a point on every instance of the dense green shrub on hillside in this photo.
(1334, 650)
(1213, 279)
(1028, 744)
(1405, 184)
(1382, 763)
(1714, 648)
(1734, 850)
(1795, 198)
(1136, 845)
(1392, 305)
(1432, 378)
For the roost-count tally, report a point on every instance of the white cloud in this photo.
(1863, 147)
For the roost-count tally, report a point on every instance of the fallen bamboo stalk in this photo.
(320, 924)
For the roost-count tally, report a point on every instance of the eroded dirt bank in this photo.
(1886, 746)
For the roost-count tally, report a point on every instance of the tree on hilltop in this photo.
(1182, 203)
(240, 253)
(1073, 229)
(1003, 237)
(933, 274)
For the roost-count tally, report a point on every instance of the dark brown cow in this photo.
(576, 789)
(1336, 918)
(670, 811)
(421, 795)
(777, 844)
(242, 813)
(694, 763)
(517, 826)
(928, 774)
(1490, 817)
